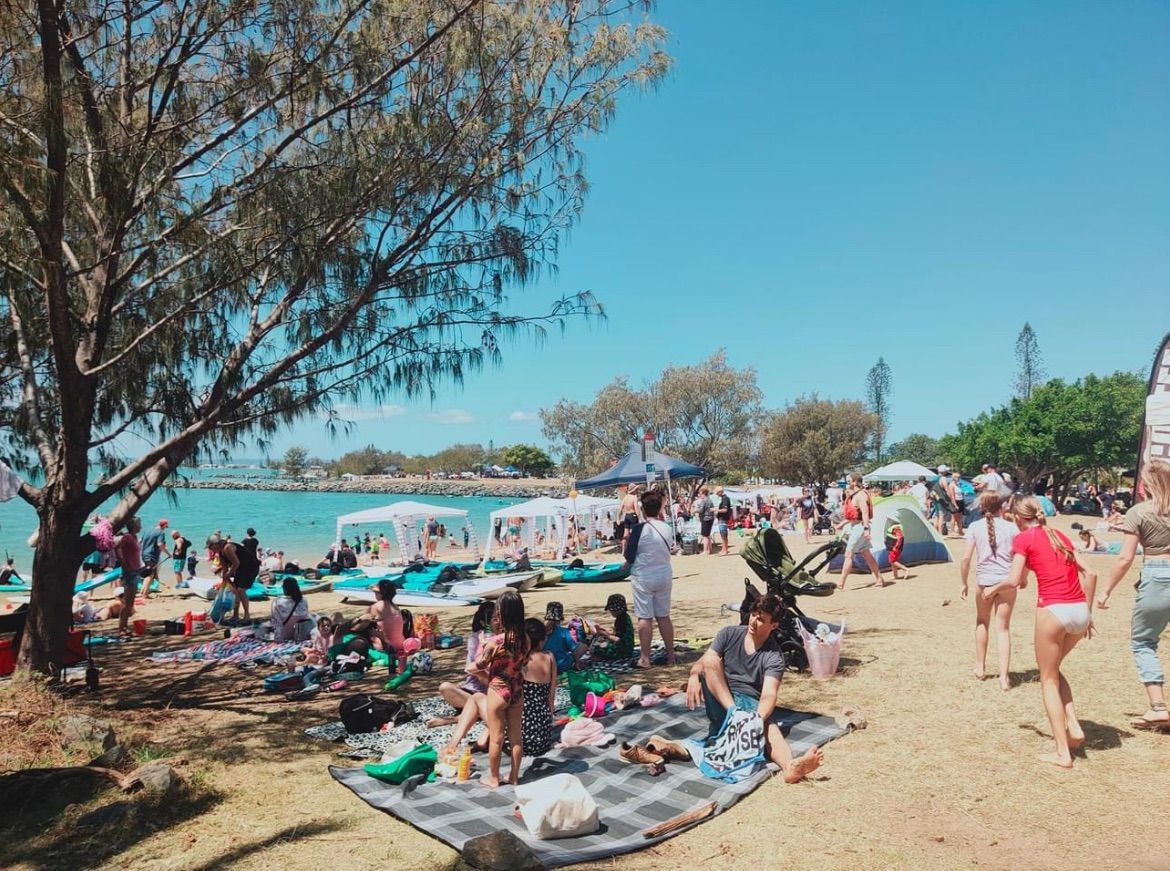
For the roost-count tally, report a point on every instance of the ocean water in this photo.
(303, 525)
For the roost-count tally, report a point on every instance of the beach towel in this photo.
(237, 650)
(629, 801)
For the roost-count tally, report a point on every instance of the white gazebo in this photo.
(404, 517)
(550, 511)
(902, 470)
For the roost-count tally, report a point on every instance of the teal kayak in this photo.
(596, 574)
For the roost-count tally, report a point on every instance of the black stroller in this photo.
(770, 559)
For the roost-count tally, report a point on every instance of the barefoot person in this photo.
(858, 517)
(1148, 524)
(989, 543)
(648, 550)
(743, 667)
(1063, 615)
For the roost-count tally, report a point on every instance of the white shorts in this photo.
(651, 598)
(857, 541)
(1073, 615)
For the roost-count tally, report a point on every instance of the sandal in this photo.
(1145, 721)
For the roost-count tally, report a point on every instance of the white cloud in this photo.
(523, 416)
(349, 411)
(454, 416)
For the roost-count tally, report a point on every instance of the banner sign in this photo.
(1155, 443)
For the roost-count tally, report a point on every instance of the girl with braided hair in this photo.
(989, 545)
(1064, 615)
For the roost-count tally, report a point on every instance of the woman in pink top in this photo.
(1063, 615)
(129, 553)
(389, 619)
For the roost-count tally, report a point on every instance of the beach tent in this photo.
(923, 543)
(902, 470)
(404, 517)
(550, 511)
(631, 469)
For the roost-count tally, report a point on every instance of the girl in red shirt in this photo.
(1063, 615)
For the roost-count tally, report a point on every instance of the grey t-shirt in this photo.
(746, 672)
(1152, 530)
(993, 482)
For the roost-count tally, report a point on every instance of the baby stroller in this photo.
(771, 560)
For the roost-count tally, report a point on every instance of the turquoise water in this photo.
(301, 524)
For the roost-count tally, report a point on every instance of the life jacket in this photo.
(852, 512)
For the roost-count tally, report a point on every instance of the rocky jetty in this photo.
(524, 488)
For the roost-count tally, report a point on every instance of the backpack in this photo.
(366, 713)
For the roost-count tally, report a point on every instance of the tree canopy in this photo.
(529, 459)
(705, 414)
(294, 461)
(816, 440)
(1061, 432)
(1029, 362)
(217, 217)
(916, 447)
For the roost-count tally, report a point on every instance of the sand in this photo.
(943, 777)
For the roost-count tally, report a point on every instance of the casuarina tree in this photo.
(879, 389)
(216, 217)
(1029, 364)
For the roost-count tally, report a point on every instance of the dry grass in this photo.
(944, 777)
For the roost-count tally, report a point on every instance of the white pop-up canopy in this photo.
(902, 470)
(403, 517)
(548, 509)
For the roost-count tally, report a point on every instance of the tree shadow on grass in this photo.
(291, 834)
(42, 832)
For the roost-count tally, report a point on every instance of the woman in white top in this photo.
(288, 610)
(990, 539)
(648, 553)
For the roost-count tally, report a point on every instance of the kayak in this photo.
(550, 577)
(609, 572)
(83, 587)
(15, 588)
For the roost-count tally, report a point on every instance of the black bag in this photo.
(365, 713)
(407, 624)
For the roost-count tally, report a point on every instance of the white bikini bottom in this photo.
(1073, 615)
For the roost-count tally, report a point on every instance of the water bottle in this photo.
(822, 632)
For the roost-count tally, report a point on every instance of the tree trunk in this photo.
(60, 550)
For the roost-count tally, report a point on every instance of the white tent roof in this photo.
(405, 510)
(546, 506)
(902, 470)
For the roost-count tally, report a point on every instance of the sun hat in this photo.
(616, 604)
(554, 611)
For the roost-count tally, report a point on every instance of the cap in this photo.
(943, 468)
(164, 523)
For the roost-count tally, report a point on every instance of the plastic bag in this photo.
(557, 807)
(823, 656)
(225, 600)
(581, 683)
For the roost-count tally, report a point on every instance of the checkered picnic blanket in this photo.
(237, 651)
(374, 744)
(629, 800)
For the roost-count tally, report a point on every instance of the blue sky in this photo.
(818, 184)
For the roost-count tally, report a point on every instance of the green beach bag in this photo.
(581, 683)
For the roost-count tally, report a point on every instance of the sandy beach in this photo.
(943, 777)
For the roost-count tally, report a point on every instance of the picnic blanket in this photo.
(235, 651)
(374, 744)
(628, 799)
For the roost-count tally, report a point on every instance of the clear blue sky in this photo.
(818, 184)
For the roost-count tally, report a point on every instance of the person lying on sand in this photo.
(743, 667)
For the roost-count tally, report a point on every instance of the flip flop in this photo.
(1151, 725)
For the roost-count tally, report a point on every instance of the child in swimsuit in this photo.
(501, 663)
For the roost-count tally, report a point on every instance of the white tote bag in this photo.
(557, 807)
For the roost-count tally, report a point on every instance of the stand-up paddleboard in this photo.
(306, 586)
(206, 588)
(408, 599)
(98, 581)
